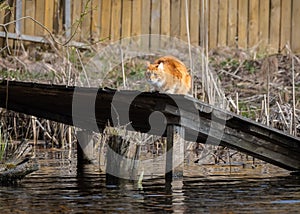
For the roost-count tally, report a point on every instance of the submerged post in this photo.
(175, 153)
(85, 147)
(113, 161)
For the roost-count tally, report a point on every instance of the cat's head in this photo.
(155, 74)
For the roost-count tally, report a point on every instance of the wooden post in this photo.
(85, 147)
(175, 153)
(113, 161)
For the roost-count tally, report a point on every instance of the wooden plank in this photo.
(243, 24)
(115, 27)
(86, 9)
(175, 18)
(105, 20)
(264, 23)
(253, 23)
(40, 16)
(196, 117)
(296, 27)
(286, 23)
(126, 18)
(213, 24)
(232, 23)
(23, 14)
(146, 20)
(222, 25)
(183, 32)
(49, 15)
(165, 22)
(155, 24)
(67, 18)
(165, 17)
(8, 17)
(29, 11)
(203, 23)
(95, 19)
(194, 17)
(137, 17)
(76, 20)
(58, 17)
(274, 26)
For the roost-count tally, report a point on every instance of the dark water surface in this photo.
(58, 188)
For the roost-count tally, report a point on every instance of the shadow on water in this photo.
(59, 187)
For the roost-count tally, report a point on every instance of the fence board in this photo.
(96, 19)
(253, 23)
(76, 20)
(155, 23)
(175, 18)
(286, 14)
(105, 16)
(243, 24)
(6, 17)
(183, 32)
(264, 18)
(115, 28)
(274, 25)
(29, 11)
(165, 17)
(222, 25)
(40, 16)
(268, 23)
(204, 23)
(136, 17)
(86, 8)
(49, 12)
(59, 17)
(296, 27)
(146, 5)
(232, 22)
(126, 18)
(194, 21)
(213, 23)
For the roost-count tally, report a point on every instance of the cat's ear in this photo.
(161, 66)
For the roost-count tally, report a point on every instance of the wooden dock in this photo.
(201, 122)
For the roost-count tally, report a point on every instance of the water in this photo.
(58, 188)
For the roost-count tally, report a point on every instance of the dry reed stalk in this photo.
(123, 69)
(237, 103)
(34, 120)
(294, 98)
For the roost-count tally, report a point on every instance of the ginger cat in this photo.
(168, 74)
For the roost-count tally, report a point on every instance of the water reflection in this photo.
(59, 187)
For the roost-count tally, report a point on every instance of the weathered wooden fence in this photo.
(269, 24)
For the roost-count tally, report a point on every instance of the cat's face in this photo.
(155, 74)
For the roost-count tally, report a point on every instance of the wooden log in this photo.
(12, 174)
(16, 164)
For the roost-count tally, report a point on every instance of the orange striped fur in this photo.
(168, 74)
